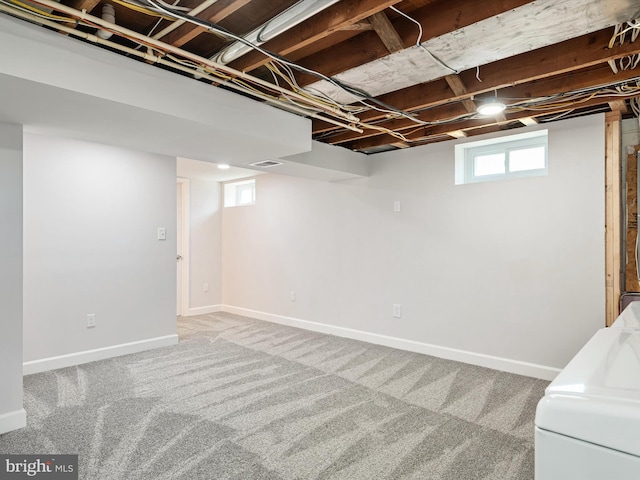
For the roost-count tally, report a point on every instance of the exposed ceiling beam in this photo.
(577, 80)
(386, 31)
(334, 18)
(619, 106)
(86, 5)
(214, 14)
(437, 18)
(565, 57)
(457, 134)
(358, 26)
(401, 124)
(459, 90)
(528, 121)
(470, 127)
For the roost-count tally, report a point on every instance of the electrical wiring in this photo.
(245, 85)
(620, 89)
(437, 60)
(13, 10)
(283, 71)
(478, 74)
(635, 105)
(291, 80)
(419, 40)
(357, 93)
(137, 8)
(37, 12)
(558, 117)
(630, 61)
(386, 130)
(321, 95)
(369, 126)
(547, 106)
(423, 124)
(195, 11)
(224, 31)
(155, 25)
(173, 6)
(620, 31)
(153, 29)
(98, 23)
(569, 101)
(286, 92)
(411, 19)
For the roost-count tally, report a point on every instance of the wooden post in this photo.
(612, 215)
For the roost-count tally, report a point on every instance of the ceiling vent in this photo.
(266, 164)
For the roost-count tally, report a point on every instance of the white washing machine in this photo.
(588, 422)
(629, 318)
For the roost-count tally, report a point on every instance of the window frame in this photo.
(466, 154)
(232, 192)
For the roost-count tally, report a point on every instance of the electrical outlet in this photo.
(397, 310)
(91, 320)
(205, 288)
(292, 296)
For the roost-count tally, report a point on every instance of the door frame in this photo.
(183, 186)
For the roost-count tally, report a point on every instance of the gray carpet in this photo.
(241, 399)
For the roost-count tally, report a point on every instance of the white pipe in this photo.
(108, 15)
(286, 20)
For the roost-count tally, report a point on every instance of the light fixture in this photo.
(491, 106)
(223, 166)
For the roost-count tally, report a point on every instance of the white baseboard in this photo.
(482, 360)
(203, 310)
(72, 359)
(13, 420)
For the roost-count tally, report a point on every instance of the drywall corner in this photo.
(325, 162)
(11, 288)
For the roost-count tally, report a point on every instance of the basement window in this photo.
(513, 156)
(237, 194)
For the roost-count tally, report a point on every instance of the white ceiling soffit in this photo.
(531, 26)
(53, 84)
(195, 169)
(325, 162)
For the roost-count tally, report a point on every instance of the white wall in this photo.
(630, 134)
(512, 270)
(204, 244)
(12, 415)
(91, 214)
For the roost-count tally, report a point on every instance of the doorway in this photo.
(182, 242)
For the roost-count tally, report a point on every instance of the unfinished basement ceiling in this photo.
(385, 74)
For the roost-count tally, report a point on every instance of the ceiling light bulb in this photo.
(223, 166)
(491, 106)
